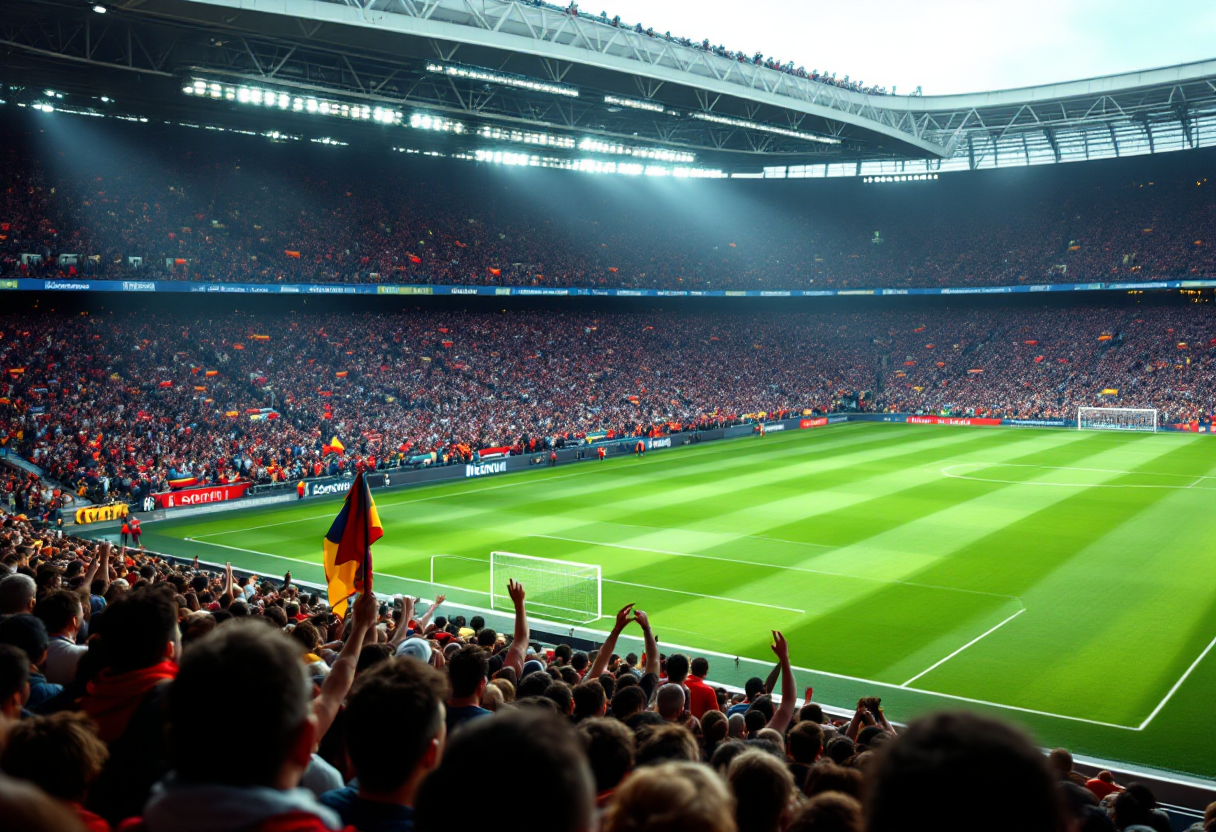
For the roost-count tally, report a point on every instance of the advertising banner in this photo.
(816, 422)
(98, 514)
(952, 420)
(198, 496)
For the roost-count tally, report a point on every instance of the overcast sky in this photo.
(944, 46)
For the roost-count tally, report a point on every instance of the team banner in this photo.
(952, 420)
(198, 496)
(99, 514)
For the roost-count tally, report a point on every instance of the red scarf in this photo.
(112, 698)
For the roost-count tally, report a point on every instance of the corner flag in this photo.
(347, 546)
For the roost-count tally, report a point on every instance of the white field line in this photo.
(387, 505)
(479, 592)
(1039, 483)
(702, 651)
(774, 565)
(1177, 685)
(941, 662)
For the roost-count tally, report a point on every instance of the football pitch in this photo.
(1061, 579)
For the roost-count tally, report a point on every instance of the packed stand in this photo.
(121, 674)
(128, 403)
(229, 209)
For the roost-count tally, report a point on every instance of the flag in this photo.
(334, 447)
(495, 272)
(347, 546)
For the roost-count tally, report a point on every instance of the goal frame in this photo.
(1145, 410)
(595, 614)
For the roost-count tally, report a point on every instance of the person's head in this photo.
(397, 705)
(307, 636)
(543, 748)
(804, 742)
(826, 776)
(14, 683)
(60, 611)
(811, 712)
(627, 701)
(273, 693)
(562, 654)
(609, 746)
(467, 669)
(670, 702)
(672, 797)
(60, 754)
(562, 695)
(589, 701)
(725, 754)
(754, 721)
(736, 726)
(1209, 816)
(667, 742)
(713, 728)
(477, 623)
(828, 812)
(26, 807)
(1128, 809)
(763, 788)
(17, 594)
(839, 750)
(764, 704)
(26, 633)
(1060, 761)
(140, 630)
(700, 667)
(677, 668)
(753, 687)
(939, 776)
(579, 661)
(486, 638)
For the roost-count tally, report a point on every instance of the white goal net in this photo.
(559, 590)
(1117, 418)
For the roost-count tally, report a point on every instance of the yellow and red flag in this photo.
(347, 547)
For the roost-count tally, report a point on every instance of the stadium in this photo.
(402, 394)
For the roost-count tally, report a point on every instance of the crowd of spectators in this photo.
(230, 209)
(124, 403)
(141, 694)
(756, 59)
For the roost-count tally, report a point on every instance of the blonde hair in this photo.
(672, 797)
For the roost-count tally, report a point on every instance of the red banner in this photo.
(200, 496)
(951, 420)
(817, 422)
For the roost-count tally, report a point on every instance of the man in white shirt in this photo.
(61, 612)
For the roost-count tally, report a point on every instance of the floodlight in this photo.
(764, 128)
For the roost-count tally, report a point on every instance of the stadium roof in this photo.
(534, 79)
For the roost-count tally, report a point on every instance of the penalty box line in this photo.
(827, 673)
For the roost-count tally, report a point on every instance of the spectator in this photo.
(14, 686)
(803, 747)
(467, 670)
(609, 746)
(28, 634)
(763, 790)
(672, 797)
(702, 697)
(828, 812)
(61, 755)
(63, 615)
(17, 594)
(395, 734)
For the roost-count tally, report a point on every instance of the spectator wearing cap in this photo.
(213, 789)
(395, 734)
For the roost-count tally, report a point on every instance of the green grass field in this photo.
(1060, 579)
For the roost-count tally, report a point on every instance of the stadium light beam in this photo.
(649, 106)
(764, 128)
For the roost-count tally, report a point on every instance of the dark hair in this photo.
(725, 753)
(939, 776)
(562, 695)
(755, 721)
(243, 673)
(275, 614)
(764, 704)
(589, 698)
(826, 776)
(753, 687)
(668, 742)
(805, 742)
(397, 705)
(60, 754)
(371, 656)
(27, 633)
(467, 668)
(543, 749)
(477, 623)
(762, 786)
(628, 701)
(562, 653)
(486, 638)
(138, 628)
(839, 749)
(534, 684)
(610, 748)
(306, 634)
(14, 670)
(608, 683)
(579, 661)
(57, 609)
(831, 812)
(811, 712)
(700, 667)
(677, 667)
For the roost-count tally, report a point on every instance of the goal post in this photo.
(1117, 418)
(559, 590)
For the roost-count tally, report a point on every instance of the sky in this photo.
(944, 46)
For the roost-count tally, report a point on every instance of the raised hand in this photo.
(365, 609)
(780, 646)
(516, 590)
(623, 617)
(642, 619)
